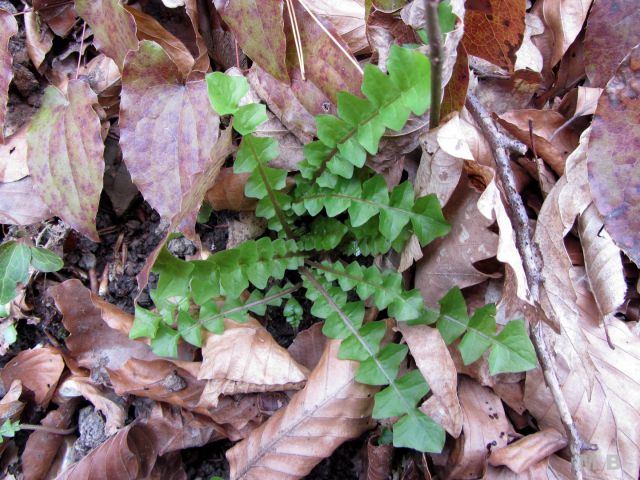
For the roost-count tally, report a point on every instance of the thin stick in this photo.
(436, 52)
(42, 428)
(237, 54)
(500, 144)
(84, 29)
(296, 37)
(332, 38)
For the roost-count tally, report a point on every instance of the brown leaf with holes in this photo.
(448, 261)
(613, 156)
(8, 28)
(245, 358)
(38, 370)
(494, 30)
(297, 437)
(65, 155)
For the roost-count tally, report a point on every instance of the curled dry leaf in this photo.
(168, 132)
(247, 359)
(448, 261)
(39, 38)
(434, 362)
(602, 261)
(38, 370)
(611, 32)
(114, 29)
(8, 28)
(19, 204)
(485, 427)
(550, 142)
(297, 437)
(522, 454)
(379, 459)
(65, 155)
(494, 30)
(605, 410)
(614, 160)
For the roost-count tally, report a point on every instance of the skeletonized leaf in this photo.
(114, 29)
(613, 156)
(246, 359)
(168, 132)
(331, 409)
(66, 155)
(8, 28)
(602, 262)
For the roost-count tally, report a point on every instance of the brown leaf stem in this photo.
(436, 52)
(501, 144)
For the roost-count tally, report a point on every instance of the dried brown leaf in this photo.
(13, 156)
(485, 427)
(227, 193)
(60, 15)
(38, 369)
(613, 156)
(379, 459)
(522, 454)
(8, 28)
(114, 29)
(20, 205)
(448, 261)
(331, 409)
(528, 56)
(10, 406)
(384, 30)
(39, 38)
(307, 347)
(247, 359)
(65, 155)
(348, 19)
(434, 362)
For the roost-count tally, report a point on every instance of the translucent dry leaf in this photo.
(247, 359)
(65, 155)
(331, 409)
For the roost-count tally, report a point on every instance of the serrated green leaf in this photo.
(165, 343)
(226, 91)
(45, 260)
(334, 324)
(512, 350)
(247, 118)
(145, 323)
(14, 268)
(175, 275)
(9, 429)
(427, 220)
(480, 333)
(401, 397)
(420, 432)
(354, 348)
(407, 306)
(453, 318)
(382, 368)
(189, 329)
(204, 214)
(254, 150)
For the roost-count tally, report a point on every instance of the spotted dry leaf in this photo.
(8, 28)
(65, 155)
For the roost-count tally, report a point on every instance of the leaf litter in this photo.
(101, 90)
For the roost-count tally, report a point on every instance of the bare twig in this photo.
(43, 428)
(501, 144)
(436, 53)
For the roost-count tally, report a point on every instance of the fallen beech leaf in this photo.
(455, 92)
(307, 347)
(602, 262)
(113, 412)
(60, 15)
(13, 156)
(379, 459)
(128, 455)
(485, 427)
(247, 359)
(162, 117)
(552, 149)
(434, 362)
(331, 409)
(42, 447)
(38, 370)
(613, 156)
(10, 406)
(227, 193)
(114, 29)
(448, 261)
(348, 19)
(491, 206)
(20, 205)
(494, 30)
(39, 38)
(8, 28)
(148, 28)
(563, 20)
(65, 155)
(610, 33)
(522, 454)
(259, 31)
(605, 410)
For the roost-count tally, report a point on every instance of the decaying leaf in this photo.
(65, 155)
(308, 346)
(20, 205)
(522, 454)
(39, 38)
(434, 362)
(331, 409)
(227, 193)
(247, 359)
(448, 261)
(8, 28)
(613, 159)
(38, 370)
(60, 15)
(348, 19)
